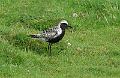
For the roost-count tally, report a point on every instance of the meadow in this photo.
(91, 49)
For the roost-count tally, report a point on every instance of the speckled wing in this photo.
(48, 34)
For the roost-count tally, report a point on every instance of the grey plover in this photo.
(52, 35)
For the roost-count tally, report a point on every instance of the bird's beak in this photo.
(69, 27)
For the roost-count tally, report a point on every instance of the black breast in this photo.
(57, 39)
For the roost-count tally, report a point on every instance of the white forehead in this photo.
(64, 21)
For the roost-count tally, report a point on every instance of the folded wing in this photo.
(46, 34)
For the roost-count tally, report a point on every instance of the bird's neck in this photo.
(63, 32)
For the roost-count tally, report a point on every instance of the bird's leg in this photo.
(49, 48)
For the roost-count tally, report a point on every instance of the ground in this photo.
(91, 49)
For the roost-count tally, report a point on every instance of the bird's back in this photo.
(51, 35)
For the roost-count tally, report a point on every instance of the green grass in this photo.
(95, 39)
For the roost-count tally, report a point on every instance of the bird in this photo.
(52, 35)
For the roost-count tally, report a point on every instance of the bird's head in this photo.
(64, 24)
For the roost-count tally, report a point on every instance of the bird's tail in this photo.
(35, 36)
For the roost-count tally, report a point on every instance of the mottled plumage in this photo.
(52, 35)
